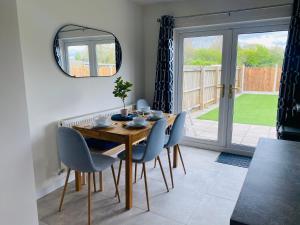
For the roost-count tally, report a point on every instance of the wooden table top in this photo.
(119, 132)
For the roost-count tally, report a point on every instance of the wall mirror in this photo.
(87, 52)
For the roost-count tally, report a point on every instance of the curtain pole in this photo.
(230, 11)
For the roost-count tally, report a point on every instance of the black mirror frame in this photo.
(68, 75)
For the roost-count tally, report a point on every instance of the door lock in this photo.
(222, 86)
(231, 90)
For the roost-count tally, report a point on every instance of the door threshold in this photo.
(244, 150)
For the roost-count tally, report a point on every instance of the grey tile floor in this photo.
(205, 196)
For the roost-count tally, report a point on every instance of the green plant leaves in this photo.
(122, 88)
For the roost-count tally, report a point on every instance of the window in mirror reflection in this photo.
(106, 60)
(78, 60)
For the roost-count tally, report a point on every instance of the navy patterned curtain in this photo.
(289, 92)
(118, 51)
(163, 96)
(56, 48)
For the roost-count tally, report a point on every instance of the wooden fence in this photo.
(83, 70)
(202, 85)
(266, 79)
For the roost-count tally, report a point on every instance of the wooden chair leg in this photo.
(135, 172)
(170, 167)
(119, 172)
(155, 162)
(162, 171)
(89, 199)
(181, 159)
(94, 181)
(142, 173)
(115, 182)
(64, 191)
(175, 156)
(100, 181)
(146, 186)
(119, 175)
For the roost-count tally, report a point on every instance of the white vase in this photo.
(124, 112)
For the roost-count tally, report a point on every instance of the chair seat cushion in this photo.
(100, 145)
(102, 162)
(137, 153)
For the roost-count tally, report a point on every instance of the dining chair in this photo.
(143, 153)
(175, 137)
(141, 103)
(75, 154)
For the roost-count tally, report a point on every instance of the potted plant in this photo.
(122, 88)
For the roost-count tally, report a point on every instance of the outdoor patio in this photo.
(243, 134)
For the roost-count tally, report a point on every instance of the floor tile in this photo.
(205, 195)
(212, 211)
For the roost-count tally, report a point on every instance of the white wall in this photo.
(50, 94)
(191, 7)
(17, 195)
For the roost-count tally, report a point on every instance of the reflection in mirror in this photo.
(85, 52)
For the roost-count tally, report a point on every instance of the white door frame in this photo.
(230, 34)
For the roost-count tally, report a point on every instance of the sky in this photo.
(268, 39)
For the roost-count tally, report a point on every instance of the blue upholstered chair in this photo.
(141, 103)
(174, 139)
(100, 146)
(143, 153)
(75, 154)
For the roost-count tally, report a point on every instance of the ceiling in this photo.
(145, 2)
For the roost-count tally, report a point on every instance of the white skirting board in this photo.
(55, 183)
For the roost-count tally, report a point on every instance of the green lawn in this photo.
(257, 109)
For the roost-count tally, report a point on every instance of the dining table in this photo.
(119, 132)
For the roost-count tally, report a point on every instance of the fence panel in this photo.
(278, 78)
(201, 85)
(261, 79)
(191, 88)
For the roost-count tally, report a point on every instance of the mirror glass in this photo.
(87, 52)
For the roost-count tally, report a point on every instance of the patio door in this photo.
(203, 67)
(227, 81)
(257, 56)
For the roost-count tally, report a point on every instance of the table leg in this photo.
(83, 179)
(128, 177)
(175, 156)
(77, 181)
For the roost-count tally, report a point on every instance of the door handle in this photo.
(222, 86)
(231, 90)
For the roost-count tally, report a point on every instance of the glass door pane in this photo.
(201, 78)
(257, 78)
(78, 60)
(106, 59)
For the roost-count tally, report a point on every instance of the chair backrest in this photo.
(73, 150)
(141, 103)
(155, 140)
(177, 130)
